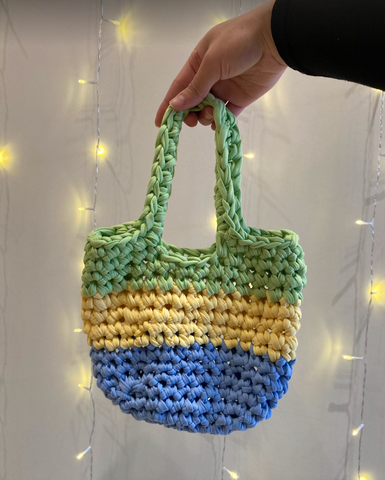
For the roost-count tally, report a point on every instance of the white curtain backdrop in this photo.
(315, 142)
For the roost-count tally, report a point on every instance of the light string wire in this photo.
(93, 208)
(223, 468)
(368, 314)
(223, 456)
(98, 114)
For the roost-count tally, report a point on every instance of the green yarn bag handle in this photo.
(227, 191)
(120, 254)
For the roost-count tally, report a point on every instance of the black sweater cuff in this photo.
(341, 39)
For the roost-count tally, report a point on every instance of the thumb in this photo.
(206, 76)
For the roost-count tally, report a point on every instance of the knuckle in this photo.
(194, 88)
(195, 59)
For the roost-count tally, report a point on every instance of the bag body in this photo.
(200, 340)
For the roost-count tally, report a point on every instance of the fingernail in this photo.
(177, 102)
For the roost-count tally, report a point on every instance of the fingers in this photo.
(191, 119)
(191, 85)
(206, 116)
(181, 81)
(206, 76)
(235, 109)
(194, 87)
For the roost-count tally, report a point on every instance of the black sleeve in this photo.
(342, 39)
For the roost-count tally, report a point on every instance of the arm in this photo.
(241, 59)
(332, 38)
(237, 61)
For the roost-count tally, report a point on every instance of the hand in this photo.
(237, 61)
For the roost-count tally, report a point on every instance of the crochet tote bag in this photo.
(200, 340)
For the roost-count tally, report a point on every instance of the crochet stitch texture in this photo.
(198, 389)
(201, 340)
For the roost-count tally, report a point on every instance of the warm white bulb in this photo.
(232, 474)
(214, 221)
(249, 155)
(357, 430)
(82, 209)
(78, 330)
(92, 82)
(349, 357)
(2, 157)
(100, 150)
(81, 454)
(115, 22)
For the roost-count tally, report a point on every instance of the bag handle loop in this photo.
(228, 162)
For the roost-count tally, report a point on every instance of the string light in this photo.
(232, 474)
(82, 209)
(87, 81)
(213, 221)
(249, 155)
(98, 151)
(360, 222)
(5, 156)
(378, 292)
(224, 469)
(83, 386)
(78, 330)
(348, 357)
(357, 430)
(2, 157)
(125, 30)
(81, 454)
(115, 22)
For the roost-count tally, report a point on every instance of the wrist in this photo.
(265, 16)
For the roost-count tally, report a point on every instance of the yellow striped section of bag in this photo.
(143, 317)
